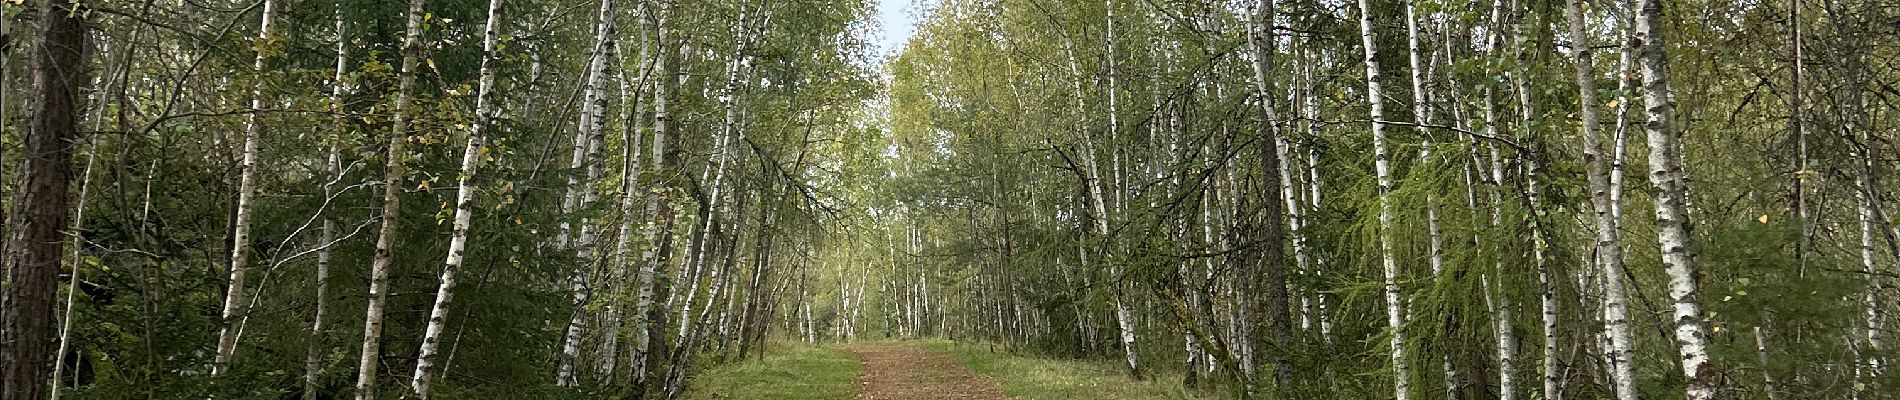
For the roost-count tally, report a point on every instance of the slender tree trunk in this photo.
(1761, 355)
(658, 229)
(6, 119)
(464, 195)
(587, 138)
(314, 355)
(1799, 131)
(1500, 307)
(1553, 370)
(236, 299)
(72, 279)
(1382, 166)
(1865, 197)
(1609, 242)
(632, 164)
(40, 209)
(1672, 211)
(1278, 310)
(1422, 115)
(1097, 196)
(708, 232)
(392, 206)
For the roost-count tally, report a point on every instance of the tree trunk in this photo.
(464, 195)
(235, 298)
(630, 192)
(587, 140)
(1499, 305)
(1672, 211)
(658, 229)
(1609, 242)
(1273, 235)
(1761, 355)
(1098, 198)
(392, 206)
(40, 209)
(1382, 166)
(315, 354)
(72, 279)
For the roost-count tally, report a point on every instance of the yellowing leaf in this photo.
(1763, 219)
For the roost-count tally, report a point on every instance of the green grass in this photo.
(1029, 378)
(789, 372)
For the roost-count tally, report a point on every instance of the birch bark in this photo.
(1382, 167)
(236, 298)
(1672, 211)
(1608, 246)
(1280, 319)
(580, 193)
(464, 195)
(333, 164)
(658, 241)
(392, 206)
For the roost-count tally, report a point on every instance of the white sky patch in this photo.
(896, 22)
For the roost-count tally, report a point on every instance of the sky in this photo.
(896, 20)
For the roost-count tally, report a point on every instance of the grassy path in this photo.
(924, 370)
(789, 372)
(901, 371)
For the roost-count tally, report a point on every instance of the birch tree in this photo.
(366, 375)
(464, 195)
(1672, 210)
(1395, 316)
(314, 354)
(235, 299)
(1608, 244)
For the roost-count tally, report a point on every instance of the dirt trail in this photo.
(900, 372)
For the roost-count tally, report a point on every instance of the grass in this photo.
(789, 372)
(1029, 378)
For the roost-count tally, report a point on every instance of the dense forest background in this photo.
(1511, 199)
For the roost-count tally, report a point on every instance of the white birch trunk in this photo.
(650, 232)
(1672, 210)
(314, 355)
(1609, 242)
(1310, 107)
(1870, 298)
(1761, 355)
(1547, 301)
(392, 207)
(630, 193)
(1496, 301)
(236, 296)
(1422, 110)
(464, 195)
(1382, 166)
(587, 137)
(717, 166)
(1124, 316)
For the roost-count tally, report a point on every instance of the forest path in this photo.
(901, 371)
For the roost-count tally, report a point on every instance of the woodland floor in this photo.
(931, 369)
(901, 371)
